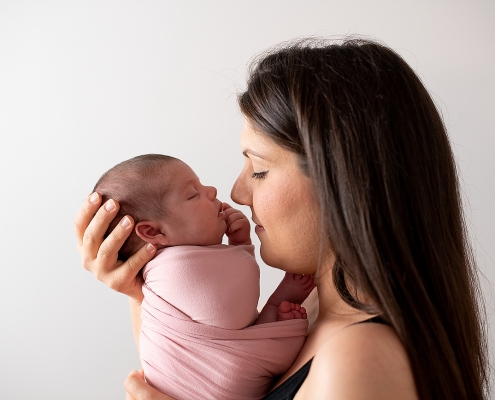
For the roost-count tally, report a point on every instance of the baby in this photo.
(201, 334)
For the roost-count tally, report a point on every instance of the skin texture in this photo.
(351, 360)
(194, 206)
(364, 361)
(282, 202)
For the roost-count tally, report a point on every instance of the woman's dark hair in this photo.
(370, 137)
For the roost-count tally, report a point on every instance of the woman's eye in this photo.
(193, 196)
(259, 175)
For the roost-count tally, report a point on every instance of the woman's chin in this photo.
(271, 259)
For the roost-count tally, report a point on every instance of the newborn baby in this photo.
(201, 334)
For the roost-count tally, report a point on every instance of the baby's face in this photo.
(195, 214)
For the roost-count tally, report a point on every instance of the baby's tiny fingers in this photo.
(226, 206)
(237, 216)
(236, 225)
(229, 212)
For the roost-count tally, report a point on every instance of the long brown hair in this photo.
(369, 135)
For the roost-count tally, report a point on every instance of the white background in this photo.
(87, 84)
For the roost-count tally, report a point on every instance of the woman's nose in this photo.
(241, 192)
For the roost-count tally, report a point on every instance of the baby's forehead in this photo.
(166, 177)
(177, 176)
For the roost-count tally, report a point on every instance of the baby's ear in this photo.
(150, 232)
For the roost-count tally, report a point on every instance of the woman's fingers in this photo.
(132, 386)
(93, 235)
(108, 250)
(84, 216)
(126, 278)
(138, 389)
(140, 258)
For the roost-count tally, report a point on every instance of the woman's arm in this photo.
(99, 256)
(135, 307)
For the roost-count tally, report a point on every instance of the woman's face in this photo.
(283, 203)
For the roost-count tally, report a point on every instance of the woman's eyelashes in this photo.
(259, 175)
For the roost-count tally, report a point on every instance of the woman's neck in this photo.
(331, 306)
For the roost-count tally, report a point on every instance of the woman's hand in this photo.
(138, 389)
(100, 256)
(238, 226)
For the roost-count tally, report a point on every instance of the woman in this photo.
(350, 177)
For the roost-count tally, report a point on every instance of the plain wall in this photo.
(86, 84)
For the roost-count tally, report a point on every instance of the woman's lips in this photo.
(258, 229)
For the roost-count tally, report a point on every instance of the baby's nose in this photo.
(211, 192)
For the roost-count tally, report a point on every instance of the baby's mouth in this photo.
(221, 212)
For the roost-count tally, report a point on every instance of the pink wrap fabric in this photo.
(196, 340)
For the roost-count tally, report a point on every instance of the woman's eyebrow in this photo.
(248, 152)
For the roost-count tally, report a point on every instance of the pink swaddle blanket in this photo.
(196, 340)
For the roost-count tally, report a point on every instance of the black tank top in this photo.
(288, 389)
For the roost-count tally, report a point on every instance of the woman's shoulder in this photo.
(362, 361)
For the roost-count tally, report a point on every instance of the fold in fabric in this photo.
(197, 341)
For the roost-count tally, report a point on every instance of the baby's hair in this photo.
(139, 185)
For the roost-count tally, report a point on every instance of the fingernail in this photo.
(125, 222)
(93, 198)
(110, 205)
(150, 247)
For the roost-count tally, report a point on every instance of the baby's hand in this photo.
(238, 227)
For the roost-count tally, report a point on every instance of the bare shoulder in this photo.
(362, 361)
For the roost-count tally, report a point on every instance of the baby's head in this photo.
(169, 204)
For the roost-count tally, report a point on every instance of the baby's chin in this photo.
(219, 238)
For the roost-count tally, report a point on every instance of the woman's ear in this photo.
(150, 231)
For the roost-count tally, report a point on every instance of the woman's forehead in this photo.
(255, 144)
